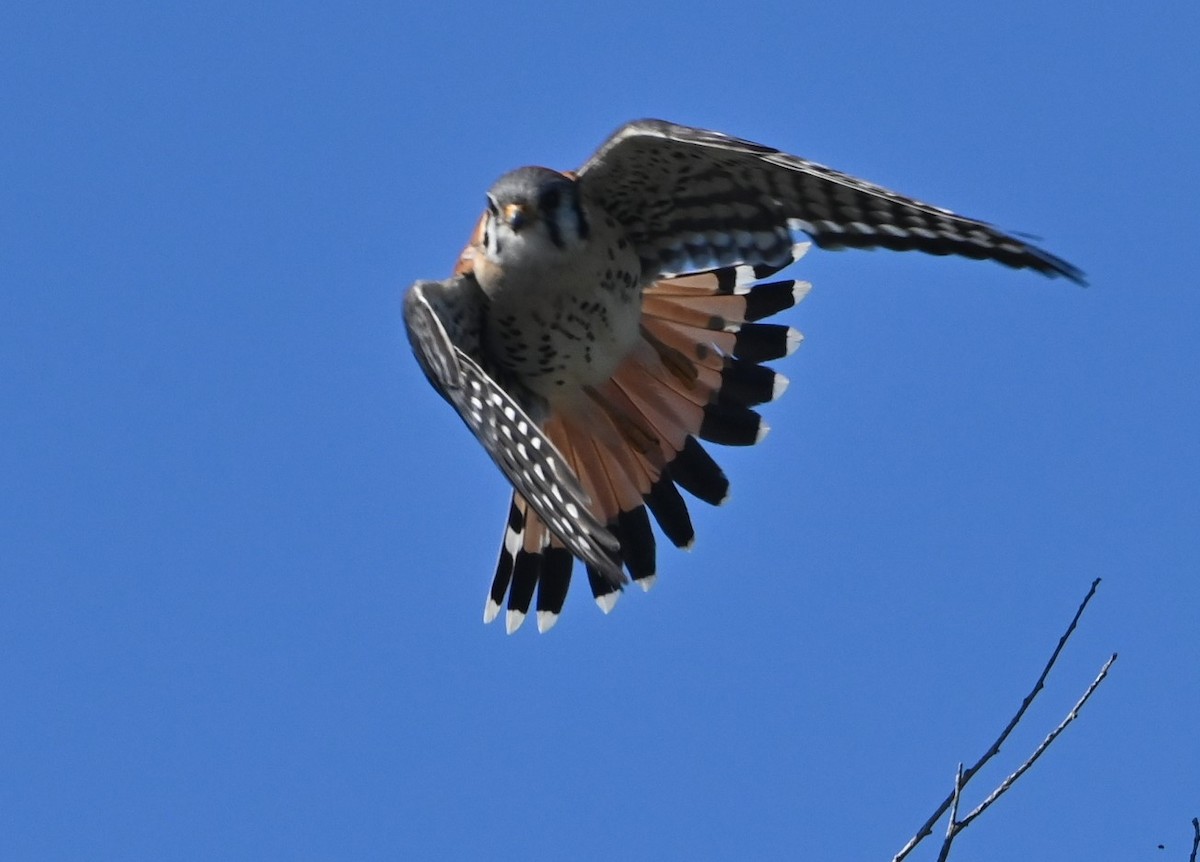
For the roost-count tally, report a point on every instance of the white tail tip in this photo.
(608, 601)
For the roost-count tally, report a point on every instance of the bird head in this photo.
(533, 211)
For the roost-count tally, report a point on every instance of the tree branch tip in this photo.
(962, 776)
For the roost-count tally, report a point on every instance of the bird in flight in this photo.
(601, 323)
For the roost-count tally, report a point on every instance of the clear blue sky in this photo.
(244, 547)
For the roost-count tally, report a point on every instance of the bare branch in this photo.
(1195, 838)
(927, 827)
(952, 826)
(1021, 770)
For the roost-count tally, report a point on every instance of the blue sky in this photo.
(244, 548)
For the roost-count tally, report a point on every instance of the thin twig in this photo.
(952, 824)
(1021, 770)
(927, 828)
(1195, 838)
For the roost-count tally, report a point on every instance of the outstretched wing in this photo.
(692, 199)
(442, 319)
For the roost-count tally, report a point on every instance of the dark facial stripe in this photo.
(580, 221)
(551, 222)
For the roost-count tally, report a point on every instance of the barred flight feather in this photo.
(758, 193)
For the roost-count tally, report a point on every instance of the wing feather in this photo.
(693, 199)
(513, 439)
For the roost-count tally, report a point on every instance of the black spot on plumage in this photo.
(730, 424)
(601, 586)
(746, 383)
(526, 571)
(637, 542)
(506, 563)
(696, 472)
(771, 298)
(766, 270)
(502, 578)
(671, 512)
(762, 342)
(726, 279)
(555, 579)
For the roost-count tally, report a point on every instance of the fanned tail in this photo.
(531, 558)
(634, 441)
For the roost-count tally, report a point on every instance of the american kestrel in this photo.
(601, 323)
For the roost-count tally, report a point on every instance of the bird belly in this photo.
(568, 339)
(560, 329)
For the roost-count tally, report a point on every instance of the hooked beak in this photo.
(516, 216)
